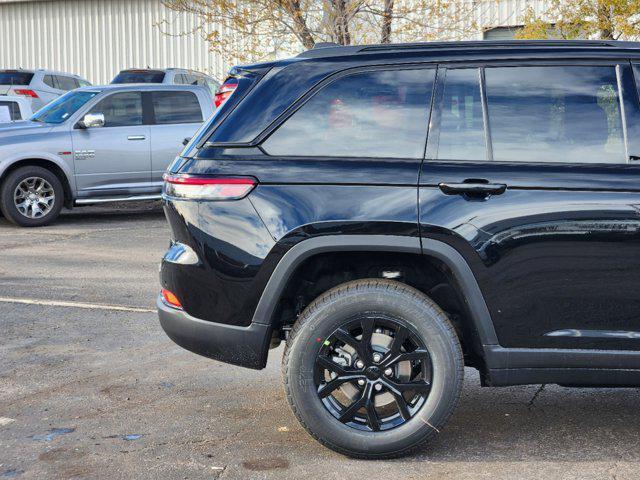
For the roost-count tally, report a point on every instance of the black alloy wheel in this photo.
(373, 373)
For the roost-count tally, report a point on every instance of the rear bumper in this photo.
(243, 346)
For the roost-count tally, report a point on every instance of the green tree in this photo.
(601, 19)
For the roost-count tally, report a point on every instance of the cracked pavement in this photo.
(105, 394)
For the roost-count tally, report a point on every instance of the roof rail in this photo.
(499, 43)
(329, 49)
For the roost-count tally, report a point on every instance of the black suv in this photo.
(396, 212)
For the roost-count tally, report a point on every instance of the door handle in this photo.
(473, 188)
(136, 137)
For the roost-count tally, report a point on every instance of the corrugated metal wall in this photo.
(504, 13)
(98, 38)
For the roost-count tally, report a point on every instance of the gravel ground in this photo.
(101, 393)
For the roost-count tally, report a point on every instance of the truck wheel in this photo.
(373, 369)
(31, 196)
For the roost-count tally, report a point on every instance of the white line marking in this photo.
(89, 306)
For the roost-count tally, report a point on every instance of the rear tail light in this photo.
(25, 92)
(207, 188)
(225, 91)
(170, 299)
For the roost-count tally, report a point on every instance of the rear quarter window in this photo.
(176, 107)
(9, 111)
(378, 113)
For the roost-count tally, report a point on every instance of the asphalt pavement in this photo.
(91, 388)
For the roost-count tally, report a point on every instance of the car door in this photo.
(114, 159)
(177, 115)
(531, 173)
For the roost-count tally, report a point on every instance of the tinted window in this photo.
(461, 120)
(555, 114)
(176, 107)
(84, 83)
(212, 85)
(63, 107)
(13, 108)
(179, 79)
(121, 109)
(15, 78)
(143, 76)
(67, 83)
(49, 81)
(372, 114)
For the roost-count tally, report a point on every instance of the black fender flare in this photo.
(379, 243)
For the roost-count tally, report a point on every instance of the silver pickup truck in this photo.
(95, 144)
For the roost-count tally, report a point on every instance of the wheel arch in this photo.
(465, 282)
(57, 167)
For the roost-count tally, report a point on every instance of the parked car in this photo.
(400, 211)
(168, 76)
(39, 86)
(95, 144)
(13, 108)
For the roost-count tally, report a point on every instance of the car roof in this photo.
(162, 70)
(128, 87)
(332, 49)
(36, 70)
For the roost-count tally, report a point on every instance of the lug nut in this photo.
(377, 357)
(359, 364)
(388, 372)
(361, 382)
(378, 387)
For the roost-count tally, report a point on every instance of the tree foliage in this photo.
(570, 19)
(250, 30)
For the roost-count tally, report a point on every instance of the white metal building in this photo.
(98, 38)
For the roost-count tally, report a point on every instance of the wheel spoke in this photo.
(357, 404)
(357, 345)
(417, 354)
(399, 387)
(367, 333)
(401, 403)
(328, 388)
(332, 366)
(372, 415)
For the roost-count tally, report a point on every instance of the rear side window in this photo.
(49, 81)
(176, 107)
(380, 114)
(15, 78)
(10, 109)
(143, 76)
(462, 132)
(555, 114)
(121, 109)
(67, 83)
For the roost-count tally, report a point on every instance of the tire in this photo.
(382, 305)
(50, 195)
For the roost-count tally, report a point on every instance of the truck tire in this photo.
(378, 398)
(31, 196)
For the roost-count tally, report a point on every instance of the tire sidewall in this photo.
(9, 185)
(423, 319)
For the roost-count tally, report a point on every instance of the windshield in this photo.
(15, 78)
(139, 77)
(63, 107)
